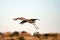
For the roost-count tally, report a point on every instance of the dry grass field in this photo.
(27, 36)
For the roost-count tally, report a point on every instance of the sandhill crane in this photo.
(24, 20)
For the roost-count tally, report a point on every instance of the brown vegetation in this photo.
(26, 36)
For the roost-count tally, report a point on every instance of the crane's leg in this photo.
(35, 26)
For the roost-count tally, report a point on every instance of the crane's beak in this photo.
(15, 19)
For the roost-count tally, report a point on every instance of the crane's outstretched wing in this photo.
(24, 21)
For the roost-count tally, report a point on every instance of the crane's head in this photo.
(19, 18)
(15, 18)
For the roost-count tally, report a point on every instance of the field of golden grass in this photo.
(27, 36)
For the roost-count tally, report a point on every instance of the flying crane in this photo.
(24, 20)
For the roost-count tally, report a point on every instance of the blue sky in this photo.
(48, 11)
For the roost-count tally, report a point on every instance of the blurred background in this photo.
(48, 11)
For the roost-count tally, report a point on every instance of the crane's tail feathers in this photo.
(38, 19)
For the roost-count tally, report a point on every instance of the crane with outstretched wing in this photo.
(24, 20)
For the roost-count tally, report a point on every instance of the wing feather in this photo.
(24, 21)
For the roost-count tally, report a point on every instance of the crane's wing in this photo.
(24, 21)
